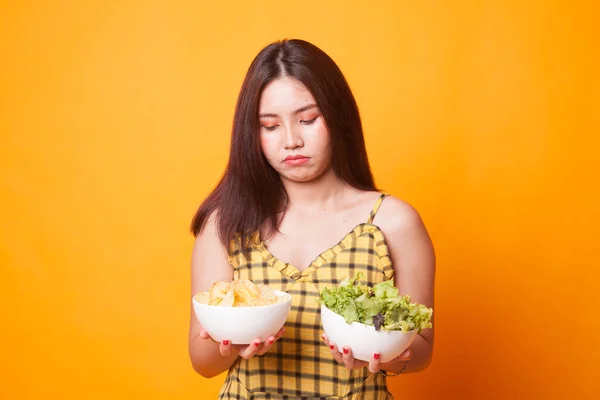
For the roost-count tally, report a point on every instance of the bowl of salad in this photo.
(371, 319)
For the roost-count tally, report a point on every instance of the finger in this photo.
(225, 347)
(325, 340)
(349, 361)
(203, 334)
(269, 342)
(330, 344)
(375, 363)
(335, 353)
(279, 334)
(333, 349)
(265, 346)
(407, 355)
(250, 350)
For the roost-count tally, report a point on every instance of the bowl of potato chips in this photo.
(241, 311)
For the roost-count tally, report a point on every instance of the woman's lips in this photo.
(295, 160)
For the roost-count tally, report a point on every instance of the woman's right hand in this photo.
(256, 348)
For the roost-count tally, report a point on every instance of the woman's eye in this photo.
(308, 122)
(270, 127)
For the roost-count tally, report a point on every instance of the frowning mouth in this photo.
(295, 160)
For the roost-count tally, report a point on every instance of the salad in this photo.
(379, 306)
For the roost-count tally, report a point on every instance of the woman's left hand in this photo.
(374, 364)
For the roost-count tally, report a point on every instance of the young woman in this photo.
(297, 209)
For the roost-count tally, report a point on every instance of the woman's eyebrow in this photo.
(301, 109)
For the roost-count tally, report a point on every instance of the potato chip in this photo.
(202, 298)
(228, 300)
(246, 292)
(239, 293)
(217, 292)
(267, 293)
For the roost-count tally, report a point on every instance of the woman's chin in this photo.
(299, 178)
(306, 176)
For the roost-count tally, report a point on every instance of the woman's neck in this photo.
(317, 195)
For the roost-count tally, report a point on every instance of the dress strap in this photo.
(376, 207)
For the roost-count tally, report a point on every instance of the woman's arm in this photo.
(413, 259)
(209, 264)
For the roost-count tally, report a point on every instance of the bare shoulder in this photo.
(411, 248)
(208, 235)
(396, 215)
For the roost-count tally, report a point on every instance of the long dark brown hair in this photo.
(250, 195)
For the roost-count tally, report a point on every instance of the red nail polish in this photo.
(225, 342)
(271, 340)
(376, 356)
(345, 350)
(331, 346)
(256, 344)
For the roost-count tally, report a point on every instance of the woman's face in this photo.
(293, 135)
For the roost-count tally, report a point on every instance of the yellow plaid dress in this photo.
(299, 365)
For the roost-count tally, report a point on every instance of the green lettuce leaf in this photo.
(380, 306)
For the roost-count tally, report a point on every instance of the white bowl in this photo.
(363, 339)
(242, 325)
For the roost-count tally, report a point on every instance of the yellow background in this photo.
(115, 121)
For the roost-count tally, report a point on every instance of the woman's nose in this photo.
(293, 138)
